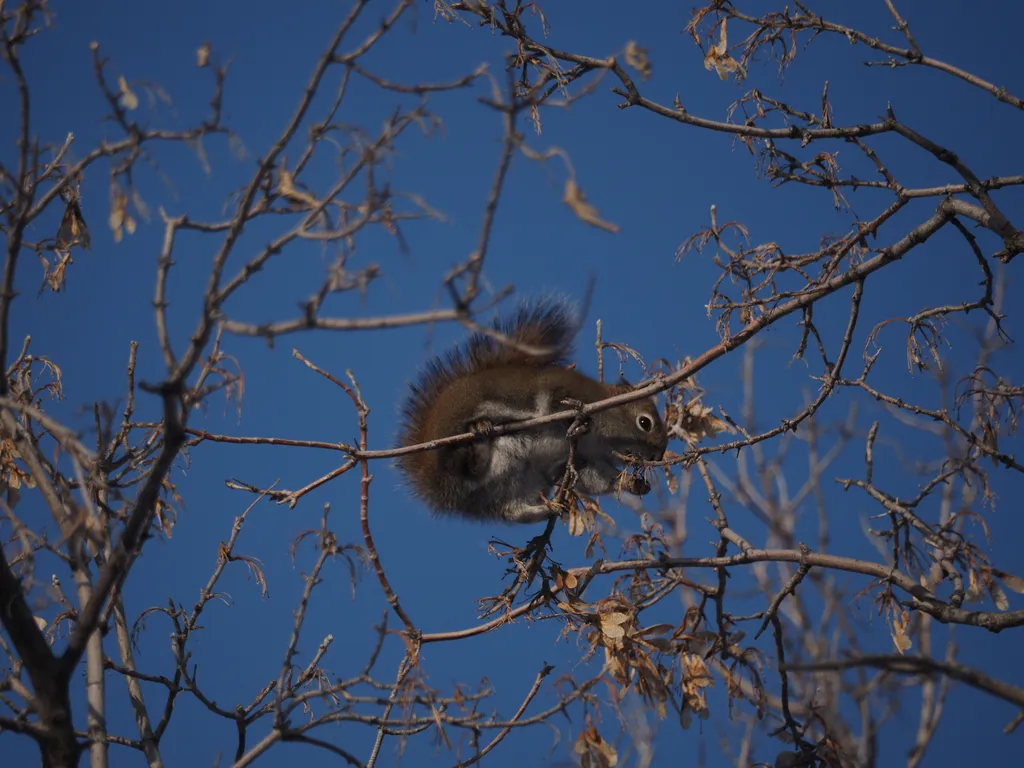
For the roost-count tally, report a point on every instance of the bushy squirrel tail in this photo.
(540, 333)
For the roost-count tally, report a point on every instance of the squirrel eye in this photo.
(644, 423)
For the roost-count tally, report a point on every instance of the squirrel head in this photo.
(634, 428)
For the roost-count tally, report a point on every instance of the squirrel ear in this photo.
(622, 385)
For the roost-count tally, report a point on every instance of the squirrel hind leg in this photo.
(523, 512)
(595, 481)
(474, 459)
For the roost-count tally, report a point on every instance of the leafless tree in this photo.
(660, 625)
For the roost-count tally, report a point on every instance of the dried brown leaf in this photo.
(593, 750)
(128, 98)
(573, 197)
(636, 57)
(73, 229)
(973, 593)
(900, 625)
(119, 221)
(693, 422)
(576, 526)
(995, 589)
(718, 59)
(1016, 583)
(612, 625)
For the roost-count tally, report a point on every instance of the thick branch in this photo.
(919, 665)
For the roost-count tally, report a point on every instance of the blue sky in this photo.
(655, 178)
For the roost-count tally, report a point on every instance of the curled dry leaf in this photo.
(55, 277)
(612, 625)
(166, 518)
(12, 475)
(973, 593)
(120, 220)
(203, 55)
(718, 59)
(636, 57)
(581, 519)
(287, 189)
(128, 98)
(1016, 583)
(694, 678)
(693, 422)
(995, 590)
(73, 229)
(900, 625)
(577, 201)
(563, 579)
(593, 750)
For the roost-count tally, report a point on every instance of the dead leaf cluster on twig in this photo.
(718, 59)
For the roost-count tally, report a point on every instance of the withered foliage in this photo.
(718, 607)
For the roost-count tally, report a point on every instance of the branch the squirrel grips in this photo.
(483, 383)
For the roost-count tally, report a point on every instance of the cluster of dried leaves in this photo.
(108, 499)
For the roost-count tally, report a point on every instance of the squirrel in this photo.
(484, 383)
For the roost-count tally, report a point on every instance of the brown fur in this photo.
(447, 397)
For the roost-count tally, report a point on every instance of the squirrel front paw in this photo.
(476, 457)
(582, 421)
(483, 427)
